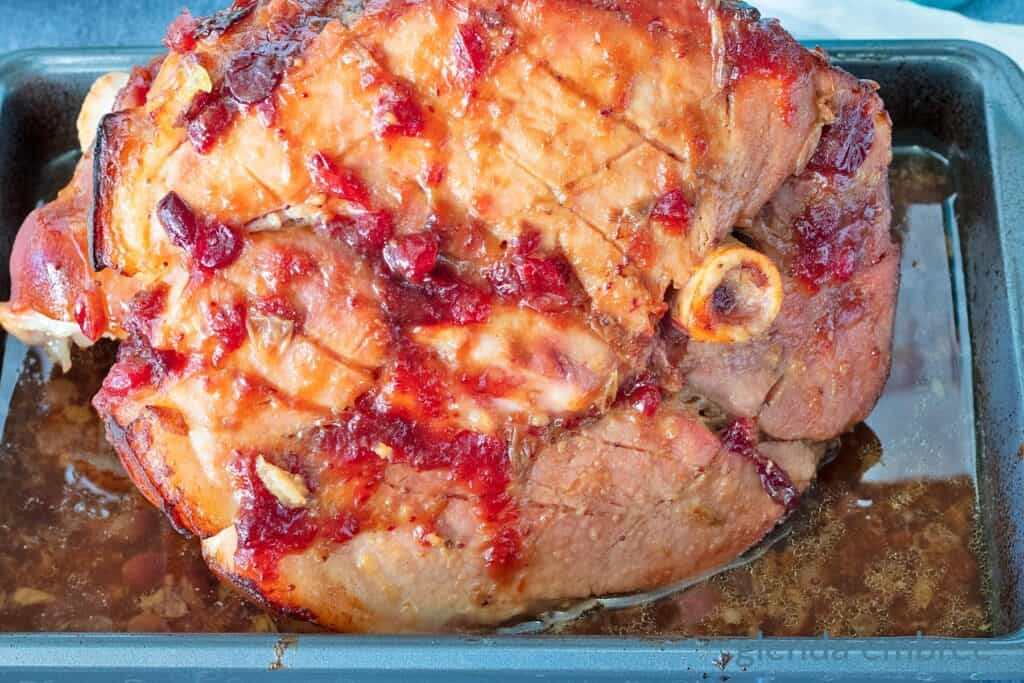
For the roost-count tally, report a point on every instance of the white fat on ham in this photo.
(99, 102)
(35, 329)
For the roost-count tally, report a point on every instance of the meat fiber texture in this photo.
(395, 289)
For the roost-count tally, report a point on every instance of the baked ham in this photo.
(437, 314)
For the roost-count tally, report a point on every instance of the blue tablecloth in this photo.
(73, 23)
(1010, 11)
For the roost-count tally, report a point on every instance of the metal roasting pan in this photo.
(960, 100)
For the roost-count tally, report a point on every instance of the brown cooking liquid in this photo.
(885, 544)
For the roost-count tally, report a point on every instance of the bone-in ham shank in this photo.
(438, 314)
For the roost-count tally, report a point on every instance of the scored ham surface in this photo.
(437, 314)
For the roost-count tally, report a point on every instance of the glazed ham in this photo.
(435, 315)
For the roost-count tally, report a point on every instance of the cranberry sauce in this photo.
(422, 284)
(181, 34)
(761, 48)
(131, 372)
(543, 283)
(413, 256)
(339, 182)
(830, 242)
(135, 91)
(830, 233)
(249, 79)
(441, 297)
(845, 143)
(417, 285)
(642, 393)
(353, 452)
(470, 52)
(228, 325)
(740, 437)
(185, 30)
(207, 116)
(396, 112)
(138, 366)
(211, 245)
(365, 233)
(253, 74)
(267, 529)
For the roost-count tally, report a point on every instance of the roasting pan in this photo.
(961, 101)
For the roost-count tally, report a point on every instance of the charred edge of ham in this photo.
(104, 165)
(220, 22)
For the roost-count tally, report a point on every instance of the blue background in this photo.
(76, 23)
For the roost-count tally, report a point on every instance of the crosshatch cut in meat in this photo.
(438, 314)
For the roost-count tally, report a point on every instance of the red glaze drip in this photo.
(673, 210)
(481, 462)
(395, 113)
(740, 438)
(91, 313)
(327, 177)
(845, 143)
(434, 174)
(341, 528)
(413, 376)
(504, 551)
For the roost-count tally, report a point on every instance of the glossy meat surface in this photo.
(392, 288)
